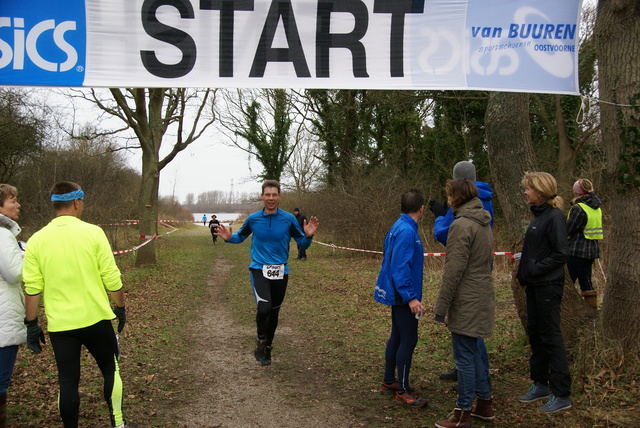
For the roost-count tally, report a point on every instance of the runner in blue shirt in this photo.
(272, 231)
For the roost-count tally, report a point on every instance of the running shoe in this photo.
(410, 399)
(259, 353)
(556, 404)
(389, 388)
(536, 392)
(267, 356)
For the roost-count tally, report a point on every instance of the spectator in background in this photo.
(302, 252)
(443, 219)
(12, 329)
(541, 271)
(584, 226)
(467, 299)
(399, 285)
(204, 219)
(71, 264)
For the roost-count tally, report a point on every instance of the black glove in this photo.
(439, 318)
(34, 336)
(121, 313)
(438, 209)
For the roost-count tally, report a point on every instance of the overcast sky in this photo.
(206, 165)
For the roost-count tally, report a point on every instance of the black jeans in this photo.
(548, 363)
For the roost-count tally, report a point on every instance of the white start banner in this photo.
(499, 45)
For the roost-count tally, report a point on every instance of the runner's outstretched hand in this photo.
(223, 232)
(311, 226)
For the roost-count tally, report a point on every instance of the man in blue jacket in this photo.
(399, 285)
(444, 218)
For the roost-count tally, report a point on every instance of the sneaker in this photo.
(267, 356)
(452, 375)
(410, 398)
(536, 392)
(260, 349)
(389, 388)
(556, 404)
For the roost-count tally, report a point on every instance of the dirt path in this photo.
(236, 391)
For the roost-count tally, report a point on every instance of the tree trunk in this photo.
(511, 154)
(148, 208)
(618, 44)
(566, 153)
(150, 140)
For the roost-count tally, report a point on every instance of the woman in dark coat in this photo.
(541, 271)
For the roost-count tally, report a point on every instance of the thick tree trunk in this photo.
(148, 208)
(618, 44)
(511, 154)
(566, 153)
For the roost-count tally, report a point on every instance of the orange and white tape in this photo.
(499, 253)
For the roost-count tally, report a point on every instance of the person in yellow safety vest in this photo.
(584, 225)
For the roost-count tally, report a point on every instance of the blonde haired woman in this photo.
(584, 227)
(541, 271)
(12, 329)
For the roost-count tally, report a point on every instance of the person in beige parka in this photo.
(467, 300)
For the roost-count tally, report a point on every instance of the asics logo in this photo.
(26, 41)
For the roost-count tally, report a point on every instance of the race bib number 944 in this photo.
(273, 271)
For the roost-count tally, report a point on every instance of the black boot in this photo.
(452, 375)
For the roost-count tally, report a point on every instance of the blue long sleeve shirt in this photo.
(271, 236)
(400, 278)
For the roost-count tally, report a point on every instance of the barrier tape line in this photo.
(498, 253)
(134, 222)
(148, 238)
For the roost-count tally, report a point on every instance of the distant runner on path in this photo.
(213, 226)
(272, 231)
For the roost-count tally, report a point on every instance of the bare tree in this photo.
(155, 115)
(305, 164)
(265, 123)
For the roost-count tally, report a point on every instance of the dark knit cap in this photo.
(464, 169)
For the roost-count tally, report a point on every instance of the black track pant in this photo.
(269, 295)
(101, 342)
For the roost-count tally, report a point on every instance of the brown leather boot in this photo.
(591, 298)
(3, 410)
(459, 419)
(483, 409)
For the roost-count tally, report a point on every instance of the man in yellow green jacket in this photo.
(69, 263)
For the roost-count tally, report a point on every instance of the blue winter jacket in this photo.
(442, 223)
(271, 236)
(400, 278)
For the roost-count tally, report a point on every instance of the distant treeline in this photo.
(223, 208)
